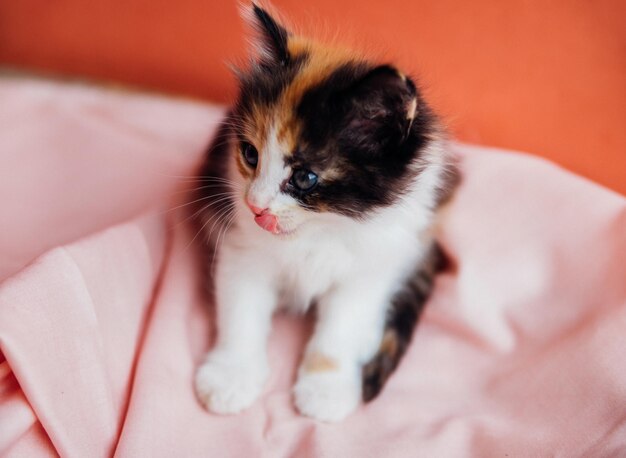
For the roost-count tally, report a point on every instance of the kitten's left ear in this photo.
(271, 42)
(380, 108)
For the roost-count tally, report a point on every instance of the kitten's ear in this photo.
(381, 108)
(271, 39)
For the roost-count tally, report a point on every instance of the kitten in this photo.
(322, 188)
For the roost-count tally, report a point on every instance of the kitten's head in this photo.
(321, 131)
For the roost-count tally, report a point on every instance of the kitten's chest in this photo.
(308, 270)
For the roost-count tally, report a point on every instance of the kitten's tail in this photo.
(405, 310)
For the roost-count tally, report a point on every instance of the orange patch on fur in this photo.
(255, 128)
(243, 168)
(318, 362)
(389, 344)
(323, 60)
(288, 133)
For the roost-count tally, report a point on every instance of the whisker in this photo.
(223, 213)
(227, 206)
(187, 203)
(214, 146)
(233, 184)
(194, 178)
(216, 178)
(197, 212)
(220, 185)
(226, 227)
(220, 218)
(213, 180)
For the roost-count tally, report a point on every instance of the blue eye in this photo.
(250, 154)
(303, 180)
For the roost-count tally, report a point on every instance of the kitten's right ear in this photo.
(271, 42)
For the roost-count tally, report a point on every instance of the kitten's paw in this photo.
(227, 387)
(329, 396)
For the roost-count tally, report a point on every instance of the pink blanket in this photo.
(521, 351)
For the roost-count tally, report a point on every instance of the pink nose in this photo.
(268, 222)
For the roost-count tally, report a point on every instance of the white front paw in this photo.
(327, 396)
(229, 386)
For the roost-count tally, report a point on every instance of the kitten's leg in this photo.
(234, 371)
(348, 333)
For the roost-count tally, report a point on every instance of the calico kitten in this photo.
(321, 189)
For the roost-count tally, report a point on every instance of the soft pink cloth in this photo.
(521, 351)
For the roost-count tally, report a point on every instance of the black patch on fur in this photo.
(275, 36)
(265, 80)
(355, 123)
(403, 314)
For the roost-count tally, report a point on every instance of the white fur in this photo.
(349, 268)
(264, 191)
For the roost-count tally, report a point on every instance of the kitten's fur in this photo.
(358, 245)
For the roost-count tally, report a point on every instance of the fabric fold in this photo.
(103, 319)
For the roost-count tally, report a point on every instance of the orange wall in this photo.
(548, 77)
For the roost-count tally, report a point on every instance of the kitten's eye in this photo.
(304, 180)
(250, 154)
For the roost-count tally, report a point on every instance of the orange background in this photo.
(547, 77)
